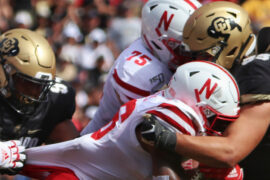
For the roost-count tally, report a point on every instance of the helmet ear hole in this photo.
(232, 52)
(152, 7)
(232, 13)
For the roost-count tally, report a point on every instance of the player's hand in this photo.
(235, 173)
(156, 134)
(12, 156)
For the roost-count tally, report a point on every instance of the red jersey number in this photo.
(139, 58)
(123, 113)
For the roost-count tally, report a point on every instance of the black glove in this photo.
(156, 134)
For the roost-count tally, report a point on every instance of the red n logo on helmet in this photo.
(165, 21)
(207, 87)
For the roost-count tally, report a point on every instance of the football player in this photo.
(148, 63)
(222, 29)
(35, 107)
(202, 99)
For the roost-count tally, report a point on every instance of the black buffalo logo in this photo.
(222, 27)
(9, 47)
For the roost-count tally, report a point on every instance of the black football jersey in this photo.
(33, 130)
(253, 77)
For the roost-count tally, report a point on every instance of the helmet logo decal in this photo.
(209, 90)
(164, 20)
(9, 46)
(221, 27)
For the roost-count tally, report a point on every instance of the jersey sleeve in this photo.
(63, 100)
(176, 116)
(137, 73)
(253, 78)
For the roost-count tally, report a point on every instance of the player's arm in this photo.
(64, 104)
(165, 164)
(63, 131)
(240, 138)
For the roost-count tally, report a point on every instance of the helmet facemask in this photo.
(25, 93)
(178, 53)
(216, 122)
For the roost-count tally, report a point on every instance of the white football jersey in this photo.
(136, 73)
(113, 152)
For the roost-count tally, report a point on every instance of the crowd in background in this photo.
(88, 35)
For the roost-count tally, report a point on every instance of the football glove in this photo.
(12, 157)
(156, 134)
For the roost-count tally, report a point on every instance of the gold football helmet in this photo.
(220, 29)
(27, 68)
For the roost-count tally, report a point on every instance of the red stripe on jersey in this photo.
(179, 113)
(129, 97)
(170, 121)
(129, 87)
(124, 113)
(50, 172)
(101, 132)
(191, 4)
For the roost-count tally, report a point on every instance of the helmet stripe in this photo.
(191, 4)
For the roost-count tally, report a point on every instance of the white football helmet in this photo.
(209, 89)
(162, 26)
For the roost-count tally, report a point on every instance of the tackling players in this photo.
(222, 29)
(202, 99)
(148, 63)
